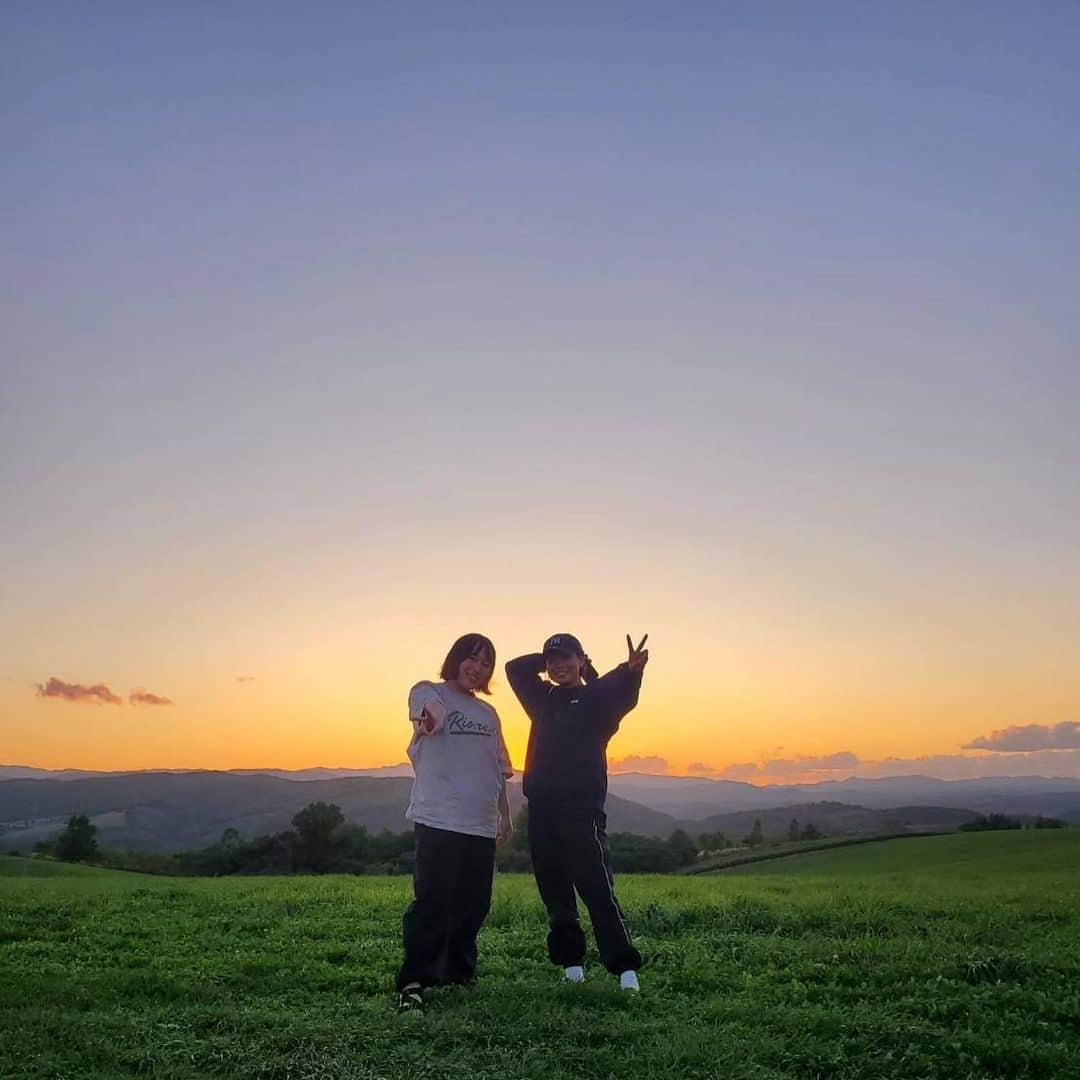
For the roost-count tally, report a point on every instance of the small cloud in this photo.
(842, 759)
(639, 763)
(1063, 736)
(699, 767)
(98, 694)
(1056, 763)
(140, 696)
(245, 678)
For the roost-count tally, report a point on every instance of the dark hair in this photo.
(466, 646)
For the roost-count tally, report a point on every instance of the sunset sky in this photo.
(331, 332)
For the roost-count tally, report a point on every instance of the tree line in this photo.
(321, 841)
(993, 822)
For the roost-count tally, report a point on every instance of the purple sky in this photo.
(753, 323)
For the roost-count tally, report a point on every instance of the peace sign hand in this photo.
(639, 656)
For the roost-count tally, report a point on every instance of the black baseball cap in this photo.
(563, 643)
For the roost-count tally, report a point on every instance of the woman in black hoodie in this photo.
(574, 714)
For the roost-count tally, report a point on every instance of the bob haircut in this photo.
(466, 646)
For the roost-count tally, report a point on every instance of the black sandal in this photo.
(410, 999)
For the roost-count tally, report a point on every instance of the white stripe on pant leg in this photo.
(610, 887)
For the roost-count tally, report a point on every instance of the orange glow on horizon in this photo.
(761, 671)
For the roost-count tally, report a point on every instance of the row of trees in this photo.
(993, 822)
(795, 832)
(321, 841)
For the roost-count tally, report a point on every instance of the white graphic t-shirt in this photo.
(460, 768)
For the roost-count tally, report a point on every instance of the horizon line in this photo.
(662, 776)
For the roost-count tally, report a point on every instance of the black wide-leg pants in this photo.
(570, 853)
(452, 882)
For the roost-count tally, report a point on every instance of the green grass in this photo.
(967, 858)
(947, 956)
(782, 850)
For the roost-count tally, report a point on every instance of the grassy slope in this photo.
(950, 956)
(965, 857)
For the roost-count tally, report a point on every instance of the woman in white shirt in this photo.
(460, 811)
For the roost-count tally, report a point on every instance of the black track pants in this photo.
(452, 886)
(570, 852)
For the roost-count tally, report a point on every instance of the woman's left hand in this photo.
(639, 655)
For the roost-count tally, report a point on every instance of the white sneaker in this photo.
(628, 981)
(576, 973)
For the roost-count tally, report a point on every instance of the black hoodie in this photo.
(566, 762)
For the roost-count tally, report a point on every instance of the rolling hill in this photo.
(175, 811)
(696, 798)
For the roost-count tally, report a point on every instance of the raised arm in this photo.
(523, 675)
(618, 690)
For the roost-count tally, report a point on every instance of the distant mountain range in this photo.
(178, 809)
(697, 798)
(171, 811)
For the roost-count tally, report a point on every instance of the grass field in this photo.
(946, 956)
